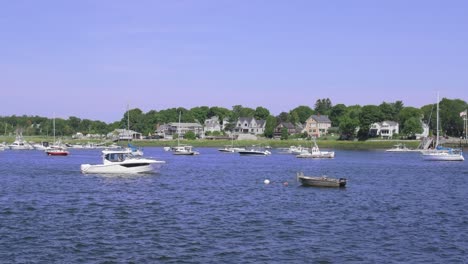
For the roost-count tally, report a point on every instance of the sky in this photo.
(92, 58)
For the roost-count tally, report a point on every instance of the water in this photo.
(214, 208)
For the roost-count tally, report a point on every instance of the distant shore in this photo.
(325, 144)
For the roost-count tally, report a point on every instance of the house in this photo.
(317, 125)
(279, 129)
(384, 129)
(250, 125)
(124, 134)
(174, 128)
(213, 124)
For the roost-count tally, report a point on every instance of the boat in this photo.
(57, 149)
(320, 181)
(122, 162)
(440, 153)
(316, 153)
(401, 148)
(255, 151)
(41, 146)
(181, 149)
(20, 143)
(297, 150)
(231, 148)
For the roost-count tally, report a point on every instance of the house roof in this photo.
(245, 119)
(287, 125)
(321, 118)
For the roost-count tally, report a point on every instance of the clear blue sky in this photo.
(90, 58)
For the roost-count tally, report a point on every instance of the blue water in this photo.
(215, 208)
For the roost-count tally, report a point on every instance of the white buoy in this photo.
(266, 181)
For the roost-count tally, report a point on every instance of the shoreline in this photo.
(322, 143)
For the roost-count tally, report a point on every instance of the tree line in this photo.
(345, 119)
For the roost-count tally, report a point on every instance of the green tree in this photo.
(348, 127)
(336, 112)
(412, 127)
(323, 106)
(369, 115)
(190, 135)
(303, 113)
(284, 133)
(270, 126)
(261, 113)
(200, 113)
(408, 113)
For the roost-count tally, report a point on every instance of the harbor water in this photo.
(215, 208)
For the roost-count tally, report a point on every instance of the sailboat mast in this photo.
(437, 133)
(178, 131)
(53, 125)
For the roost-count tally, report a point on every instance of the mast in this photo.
(178, 131)
(437, 138)
(53, 125)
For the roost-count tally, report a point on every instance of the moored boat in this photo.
(57, 151)
(122, 161)
(255, 151)
(321, 181)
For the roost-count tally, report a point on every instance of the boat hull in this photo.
(254, 153)
(129, 168)
(320, 155)
(321, 181)
(443, 157)
(56, 153)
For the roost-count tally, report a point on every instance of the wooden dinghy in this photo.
(321, 181)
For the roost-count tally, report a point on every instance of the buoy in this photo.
(266, 181)
(285, 183)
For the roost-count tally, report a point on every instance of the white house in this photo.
(213, 124)
(167, 130)
(124, 134)
(250, 125)
(384, 129)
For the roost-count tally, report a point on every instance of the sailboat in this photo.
(183, 149)
(231, 148)
(440, 153)
(57, 149)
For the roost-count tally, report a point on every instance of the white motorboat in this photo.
(255, 151)
(229, 149)
(401, 148)
(184, 150)
(20, 143)
(122, 161)
(41, 146)
(315, 153)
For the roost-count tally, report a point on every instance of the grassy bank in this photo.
(330, 143)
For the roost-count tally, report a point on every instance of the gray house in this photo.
(250, 125)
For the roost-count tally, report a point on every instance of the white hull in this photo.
(443, 156)
(20, 147)
(120, 169)
(318, 155)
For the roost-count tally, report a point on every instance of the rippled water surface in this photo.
(214, 208)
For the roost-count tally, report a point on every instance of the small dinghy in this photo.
(321, 181)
